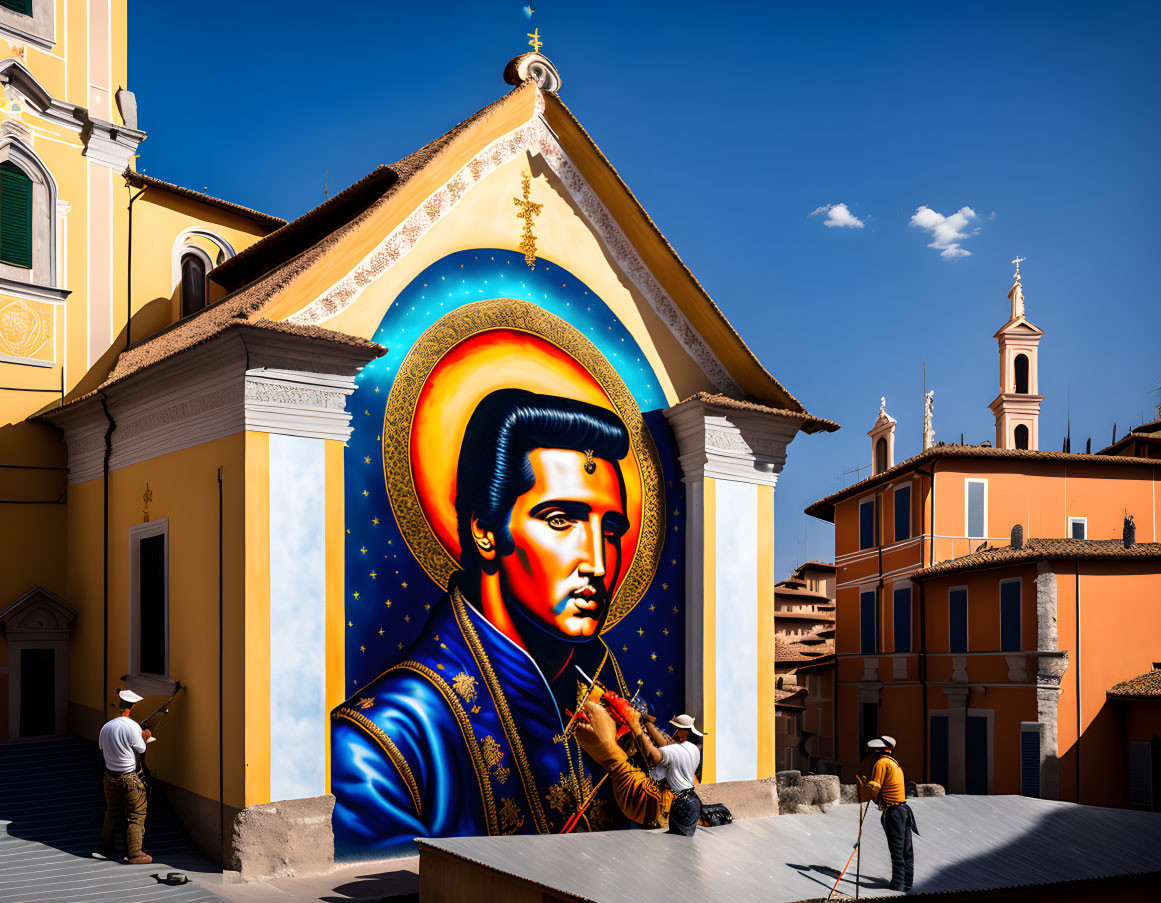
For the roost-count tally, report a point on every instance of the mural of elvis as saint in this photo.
(461, 735)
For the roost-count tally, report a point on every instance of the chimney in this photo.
(882, 440)
(1018, 537)
(1129, 534)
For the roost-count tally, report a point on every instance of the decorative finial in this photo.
(147, 497)
(535, 43)
(1017, 291)
(882, 405)
(590, 464)
(533, 66)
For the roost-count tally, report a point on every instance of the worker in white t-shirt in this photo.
(121, 741)
(679, 759)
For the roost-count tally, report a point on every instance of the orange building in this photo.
(914, 546)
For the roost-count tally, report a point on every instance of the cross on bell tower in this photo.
(1017, 407)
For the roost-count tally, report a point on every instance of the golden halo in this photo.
(494, 344)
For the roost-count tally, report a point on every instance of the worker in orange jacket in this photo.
(886, 787)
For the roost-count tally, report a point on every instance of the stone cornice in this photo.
(729, 444)
(210, 392)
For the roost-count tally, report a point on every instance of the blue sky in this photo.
(732, 123)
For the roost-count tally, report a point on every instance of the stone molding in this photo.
(729, 444)
(537, 138)
(209, 393)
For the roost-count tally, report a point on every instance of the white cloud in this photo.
(946, 231)
(839, 216)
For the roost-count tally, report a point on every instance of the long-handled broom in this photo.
(855, 849)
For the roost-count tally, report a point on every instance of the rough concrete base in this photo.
(285, 839)
(812, 793)
(922, 790)
(744, 799)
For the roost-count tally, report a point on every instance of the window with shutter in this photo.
(1030, 760)
(15, 216)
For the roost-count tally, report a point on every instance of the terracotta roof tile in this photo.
(344, 212)
(1143, 686)
(1042, 550)
(140, 180)
(824, 508)
(810, 423)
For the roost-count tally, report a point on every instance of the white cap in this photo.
(890, 741)
(685, 722)
(876, 744)
(129, 696)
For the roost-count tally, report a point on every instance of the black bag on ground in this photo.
(714, 814)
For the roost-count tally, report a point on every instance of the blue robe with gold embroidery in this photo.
(461, 736)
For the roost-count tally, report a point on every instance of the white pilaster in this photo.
(731, 457)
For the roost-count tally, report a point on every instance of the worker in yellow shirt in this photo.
(885, 787)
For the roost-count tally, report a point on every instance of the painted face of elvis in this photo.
(566, 532)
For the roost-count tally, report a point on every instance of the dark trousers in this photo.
(684, 813)
(125, 803)
(898, 823)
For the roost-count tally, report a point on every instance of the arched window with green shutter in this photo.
(15, 216)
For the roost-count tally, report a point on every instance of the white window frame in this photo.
(967, 511)
(968, 619)
(159, 527)
(1019, 581)
(1077, 520)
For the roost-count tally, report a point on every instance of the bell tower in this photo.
(1017, 407)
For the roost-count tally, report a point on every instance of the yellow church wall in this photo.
(256, 630)
(660, 258)
(563, 238)
(159, 218)
(184, 486)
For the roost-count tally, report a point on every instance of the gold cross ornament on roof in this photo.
(535, 43)
(1018, 261)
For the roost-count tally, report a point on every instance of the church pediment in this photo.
(38, 611)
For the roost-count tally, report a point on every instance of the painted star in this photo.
(675, 609)
(640, 631)
(365, 492)
(367, 460)
(407, 618)
(388, 603)
(652, 607)
(355, 594)
(373, 575)
(665, 586)
(374, 521)
(381, 631)
(362, 648)
(404, 584)
(363, 550)
(653, 656)
(350, 623)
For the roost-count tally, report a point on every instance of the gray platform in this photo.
(51, 806)
(968, 843)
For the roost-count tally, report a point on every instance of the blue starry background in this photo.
(388, 593)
